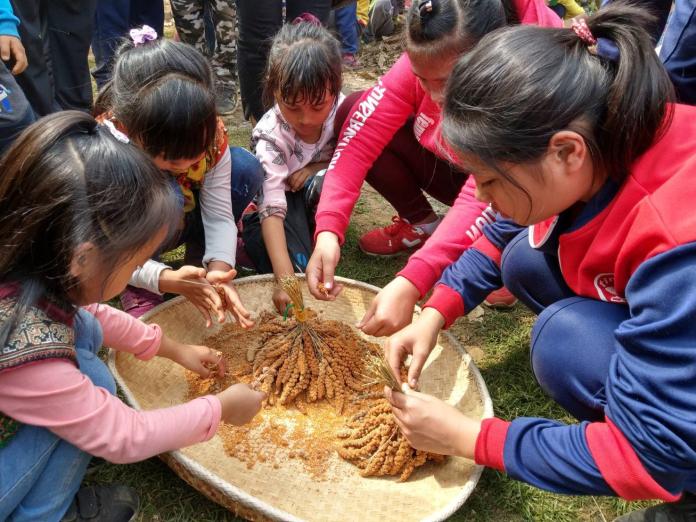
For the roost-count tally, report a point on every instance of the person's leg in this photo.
(258, 21)
(188, 19)
(69, 35)
(678, 51)
(298, 235)
(147, 12)
(224, 57)
(46, 470)
(402, 167)
(247, 179)
(35, 81)
(381, 19)
(572, 347)
(347, 28)
(15, 112)
(531, 275)
(319, 8)
(110, 26)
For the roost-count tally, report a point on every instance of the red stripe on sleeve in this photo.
(620, 466)
(491, 442)
(448, 302)
(488, 249)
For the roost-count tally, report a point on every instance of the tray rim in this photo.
(237, 494)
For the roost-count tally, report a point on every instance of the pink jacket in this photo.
(382, 111)
(55, 394)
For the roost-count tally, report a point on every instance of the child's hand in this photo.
(297, 179)
(430, 424)
(417, 339)
(205, 361)
(232, 301)
(281, 300)
(11, 48)
(203, 296)
(322, 265)
(392, 308)
(240, 404)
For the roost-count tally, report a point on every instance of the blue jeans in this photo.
(571, 369)
(112, 21)
(41, 472)
(346, 20)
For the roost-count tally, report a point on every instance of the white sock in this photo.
(429, 228)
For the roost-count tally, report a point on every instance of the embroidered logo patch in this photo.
(604, 284)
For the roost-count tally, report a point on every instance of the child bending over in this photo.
(162, 96)
(70, 238)
(294, 142)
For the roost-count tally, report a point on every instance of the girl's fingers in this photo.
(205, 313)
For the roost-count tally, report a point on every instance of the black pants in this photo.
(56, 35)
(299, 228)
(259, 21)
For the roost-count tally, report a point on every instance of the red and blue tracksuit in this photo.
(614, 284)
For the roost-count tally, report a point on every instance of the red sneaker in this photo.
(501, 298)
(400, 236)
(137, 302)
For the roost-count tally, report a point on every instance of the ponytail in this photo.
(437, 27)
(510, 95)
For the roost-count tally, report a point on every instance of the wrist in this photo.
(167, 348)
(217, 265)
(328, 238)
(166, 280)
(432, 320)
(407, 289)
(225, 405)
(468, 433)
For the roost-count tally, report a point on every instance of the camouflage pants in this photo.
(190, 24)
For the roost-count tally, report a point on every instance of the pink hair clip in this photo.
(579, 27)
(142, 35)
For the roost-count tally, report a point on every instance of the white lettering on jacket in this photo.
(357, 120)
(487, 216)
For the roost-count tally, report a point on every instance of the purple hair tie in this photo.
(142, 35)
(307, 17)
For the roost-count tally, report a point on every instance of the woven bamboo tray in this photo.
(433, 492)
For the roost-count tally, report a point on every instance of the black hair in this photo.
(68, 181)
(304, 61)
(162, 92)
(508, 97)
(435, 28)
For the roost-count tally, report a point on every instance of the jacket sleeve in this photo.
(54, 394)
(216, 213)
(8, 21)
(460, 227)
(381, 111)
(466, 282)
(646, 446)
(125, 333)
(273, 152)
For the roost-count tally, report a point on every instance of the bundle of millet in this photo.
(373, 441)
(305, 357)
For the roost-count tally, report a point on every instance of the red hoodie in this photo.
(381, 112)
